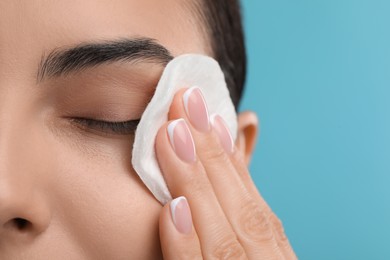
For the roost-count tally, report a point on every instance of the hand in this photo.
(218, 212)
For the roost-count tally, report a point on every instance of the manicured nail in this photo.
(223, 133)
(196, 109)
(181, 215)
(181, 140)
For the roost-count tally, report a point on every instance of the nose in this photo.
(24, 209)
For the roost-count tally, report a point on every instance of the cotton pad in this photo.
(187, 70)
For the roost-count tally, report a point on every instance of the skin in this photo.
(230, 218)
(75, 187)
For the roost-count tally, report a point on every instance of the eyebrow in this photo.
(62, 61)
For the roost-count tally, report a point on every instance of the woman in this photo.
(69, 72)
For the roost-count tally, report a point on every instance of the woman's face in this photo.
(67, 188)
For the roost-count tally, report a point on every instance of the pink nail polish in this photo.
(196, 109)
(181, 140)
(181, 215)
(223, 133)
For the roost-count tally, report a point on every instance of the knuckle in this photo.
(186, 253)
(228, 248)
(278, 228)
(213, 153)
(254, 223)
(196, 183)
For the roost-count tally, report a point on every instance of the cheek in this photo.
(102, 204)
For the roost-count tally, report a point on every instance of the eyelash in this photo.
(120, 128)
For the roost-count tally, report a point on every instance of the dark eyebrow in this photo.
(62, 61)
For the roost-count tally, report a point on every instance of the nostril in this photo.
(20, 224)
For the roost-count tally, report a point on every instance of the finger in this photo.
(281, 238)
(240, 164)
(177, 235)
(185, 176)
(247, 218)
(276, 225)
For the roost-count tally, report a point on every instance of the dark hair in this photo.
(225, 31)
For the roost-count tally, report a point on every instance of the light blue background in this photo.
(319, 79)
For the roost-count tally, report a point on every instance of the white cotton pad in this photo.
(183, 71)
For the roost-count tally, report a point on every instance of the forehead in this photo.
(27, 28)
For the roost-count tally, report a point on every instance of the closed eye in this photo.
(120, 128)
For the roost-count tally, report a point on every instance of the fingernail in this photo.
(181, 140)
(223, 132)
(196, 109)
(181, 215)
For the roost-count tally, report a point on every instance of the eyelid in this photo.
(119, 128)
